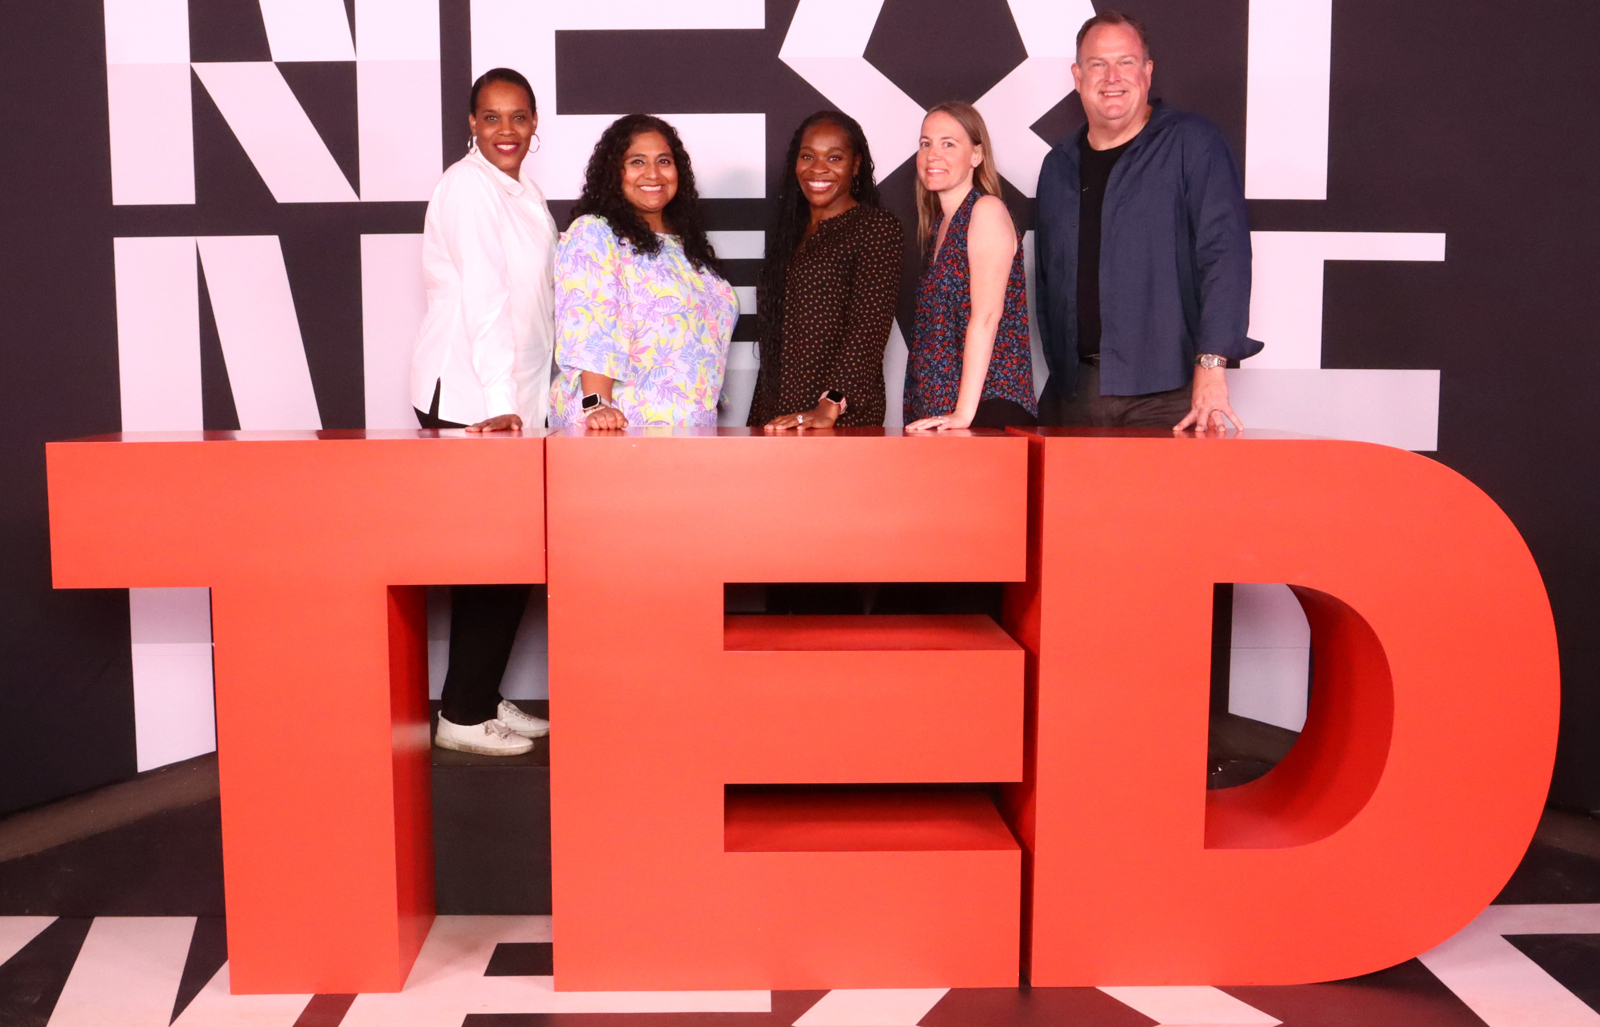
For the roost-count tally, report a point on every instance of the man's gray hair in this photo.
(1110, 17)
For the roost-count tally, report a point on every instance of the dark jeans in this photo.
(1089, 409)
(483, 625)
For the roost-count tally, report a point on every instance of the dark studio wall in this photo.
(1469, 120)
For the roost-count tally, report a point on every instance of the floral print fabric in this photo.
(944, 302)
(656, 325)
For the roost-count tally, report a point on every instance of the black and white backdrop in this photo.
(210, 216)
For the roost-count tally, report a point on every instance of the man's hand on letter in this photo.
(1210, 409)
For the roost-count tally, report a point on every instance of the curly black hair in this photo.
(602, 193)
(794, 215)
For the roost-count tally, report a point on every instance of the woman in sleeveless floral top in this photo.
(970, 365)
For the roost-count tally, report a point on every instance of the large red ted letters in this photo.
(316, 547)
(811, 802)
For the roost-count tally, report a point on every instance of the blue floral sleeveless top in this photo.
(944, 302)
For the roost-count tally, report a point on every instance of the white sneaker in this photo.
(524, 724)
(491, 738)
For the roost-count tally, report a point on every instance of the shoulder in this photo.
(591, 232)
(465, 176)
(588, 247)
(1063, 153)
(1192, 130)
(589, 226)
(879, 223)
(991, 230)
(1062, 161)
(989, 212)
(463, 186)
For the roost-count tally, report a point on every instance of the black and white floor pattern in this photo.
(1525, 965)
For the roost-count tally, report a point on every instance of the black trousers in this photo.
(483, 625)
(1002, 413)
(1084, 407)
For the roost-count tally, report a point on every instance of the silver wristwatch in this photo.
(1210, 360)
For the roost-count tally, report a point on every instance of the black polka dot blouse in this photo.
(839, 303)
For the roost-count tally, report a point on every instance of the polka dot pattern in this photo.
(839, 303)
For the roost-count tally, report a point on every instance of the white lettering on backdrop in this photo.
(395, 48)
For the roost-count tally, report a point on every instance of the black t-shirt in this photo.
(1097, 165)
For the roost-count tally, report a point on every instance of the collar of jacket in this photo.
(1160, 117)
(514, 186)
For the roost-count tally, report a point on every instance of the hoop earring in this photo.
(537, 143)
(472, 146)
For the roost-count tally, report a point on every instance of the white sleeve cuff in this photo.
(500, 400)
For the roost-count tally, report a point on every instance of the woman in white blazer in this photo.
(482, 363)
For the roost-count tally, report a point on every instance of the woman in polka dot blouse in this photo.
(829, 285)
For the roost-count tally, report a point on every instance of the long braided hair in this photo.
(794, 215)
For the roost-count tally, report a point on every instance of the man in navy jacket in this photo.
(1143, 252)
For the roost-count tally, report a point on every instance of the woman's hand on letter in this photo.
(942, 422)
(504, 422)
(824, 415)
(606, 418)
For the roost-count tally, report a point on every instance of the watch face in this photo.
(834, 395)
(591, 401)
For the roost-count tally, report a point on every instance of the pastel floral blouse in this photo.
(656, 325)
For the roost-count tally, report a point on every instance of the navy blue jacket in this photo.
(1174, 257)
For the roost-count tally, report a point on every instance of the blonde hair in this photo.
(984, 176)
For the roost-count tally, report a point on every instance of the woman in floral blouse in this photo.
(643, 317)
(969, 364)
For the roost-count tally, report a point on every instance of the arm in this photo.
(1055, 248)
(869, 314)
(471, 235)
(991, 246)
(606, 417)
(1042, 240)
(1214, 196)
(588, 326)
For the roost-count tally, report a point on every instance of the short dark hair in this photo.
(506, 75)
(1110, 17)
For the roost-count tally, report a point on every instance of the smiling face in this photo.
(1113, 76)
(649, 177)
(503, 125)
(946, 155)
(825, 166)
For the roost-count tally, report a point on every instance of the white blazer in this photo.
(488, 261)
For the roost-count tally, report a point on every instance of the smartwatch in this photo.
(592, 402)
(833, 396)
